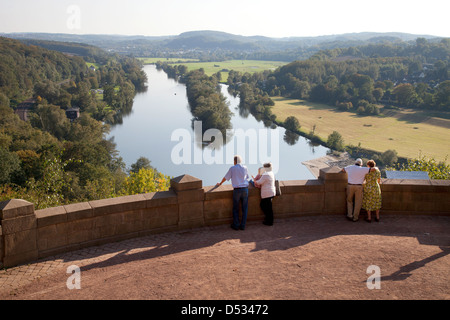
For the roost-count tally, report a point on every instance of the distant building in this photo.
(73, 113)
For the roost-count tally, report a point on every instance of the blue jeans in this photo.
(240, 194)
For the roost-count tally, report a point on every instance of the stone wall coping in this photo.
(15, 208)
(51, 216)
(185, 182)
(332, 173)
(27, 233)
(156, 199)
(119, 204)
(294, 186)
(226, 191)
(77, 211)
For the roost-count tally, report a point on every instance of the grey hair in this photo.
(267, 166)
(238, 159)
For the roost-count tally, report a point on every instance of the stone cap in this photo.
(185, 182)
(15, 208)
(332, 173)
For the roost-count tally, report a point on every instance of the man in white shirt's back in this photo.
(356, 175)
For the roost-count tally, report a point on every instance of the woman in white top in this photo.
(267, 184)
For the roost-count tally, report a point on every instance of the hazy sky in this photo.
(272, 18)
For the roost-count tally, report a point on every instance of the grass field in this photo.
(210, 68)
(409, 133)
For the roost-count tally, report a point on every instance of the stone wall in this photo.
(27, 234)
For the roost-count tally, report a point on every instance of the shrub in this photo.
(291, 123)
(335, 141)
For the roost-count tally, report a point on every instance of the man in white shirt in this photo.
(239, 179)
(356, 175)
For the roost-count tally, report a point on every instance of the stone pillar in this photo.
(335, 188)
(19, 224)
(190, 196)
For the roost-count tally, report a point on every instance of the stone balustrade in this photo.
(27, 234)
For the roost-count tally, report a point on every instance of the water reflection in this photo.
(163, 109)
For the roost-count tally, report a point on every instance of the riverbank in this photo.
(408, 132)
(342, 160)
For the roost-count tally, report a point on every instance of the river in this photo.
(160, 128)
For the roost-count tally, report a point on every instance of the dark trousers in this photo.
(266, 207)
(240, 195)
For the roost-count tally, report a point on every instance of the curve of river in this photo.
(160, 129)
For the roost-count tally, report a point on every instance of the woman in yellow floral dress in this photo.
(372, 192)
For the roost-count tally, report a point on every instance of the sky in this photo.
(271, 18)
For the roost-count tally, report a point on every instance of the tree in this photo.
(48, 189)
(9, 164)
(291, 123)
(141, 163)
(52, 119)
(145, 181)
(389, 157)
(442, 96)
(335, 141)
(405, 94)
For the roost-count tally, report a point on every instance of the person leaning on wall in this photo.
(372, 192)
(239, 179)
(267, 185)
(356, 175)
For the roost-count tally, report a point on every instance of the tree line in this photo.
(362, 80)
(50, 160)
(206, 102)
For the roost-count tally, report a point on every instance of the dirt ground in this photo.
(318, 258)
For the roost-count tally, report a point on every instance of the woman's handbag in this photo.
(277, 188)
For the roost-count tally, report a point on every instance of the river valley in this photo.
(160, 128)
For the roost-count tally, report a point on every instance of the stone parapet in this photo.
(19, 225)
(27, 234)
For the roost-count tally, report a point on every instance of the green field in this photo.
(211, 68)
(96, 65)
(410, 133)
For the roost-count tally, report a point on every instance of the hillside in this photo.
(217, 45)
(22, 66)
(47, 158)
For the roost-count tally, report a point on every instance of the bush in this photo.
(389, 157)
(434, 169)
(145, 181)
(335, 141)
(291, 123)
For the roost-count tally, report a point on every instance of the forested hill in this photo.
(23, 66)
(89, 53)
(362, 78)
(52, 160)
(211, 45)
